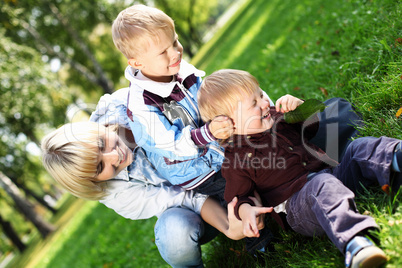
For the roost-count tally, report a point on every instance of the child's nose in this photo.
(174, 52)
(264, 103)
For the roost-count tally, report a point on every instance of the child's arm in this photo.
(145, 197)
(155, 133)
(287, 103)
(226, 222)
(249, 215)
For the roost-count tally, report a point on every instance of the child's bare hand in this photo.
(221, 127)
(258, 203)
(249, 215)
(287, 103)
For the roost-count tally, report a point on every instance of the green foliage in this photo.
(28, 89)
(30, 97)
(61, 31)
(304, 111)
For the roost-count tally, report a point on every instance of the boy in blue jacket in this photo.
(162, 102)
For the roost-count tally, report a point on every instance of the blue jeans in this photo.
(179, 234)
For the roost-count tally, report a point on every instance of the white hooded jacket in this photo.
(139, 191)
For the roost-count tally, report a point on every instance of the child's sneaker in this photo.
(396, 181)
(361, 252)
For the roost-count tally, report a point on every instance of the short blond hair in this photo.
(221, 91)
(71, 153)
(136, 26)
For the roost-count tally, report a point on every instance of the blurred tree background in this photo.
(56, 58)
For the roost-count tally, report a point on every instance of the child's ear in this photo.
(135, 64)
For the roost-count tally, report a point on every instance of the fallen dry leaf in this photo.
(324, 91)
(398, 113)
(385, 188)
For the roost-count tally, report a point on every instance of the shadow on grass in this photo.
(105, 239)
(92, 235)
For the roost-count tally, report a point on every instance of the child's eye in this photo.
(99, 168)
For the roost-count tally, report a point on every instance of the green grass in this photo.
(310, 49)
(91, 235)
(90, 241)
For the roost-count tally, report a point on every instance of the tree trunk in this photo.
(40, 199)
(183, 34)
(12, 234)
(103, 81)
(73, 64)
(25, 207)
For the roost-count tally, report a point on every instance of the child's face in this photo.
(252, 114)
(114, 156)
(162, 59)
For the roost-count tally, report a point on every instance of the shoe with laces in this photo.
(362, 253)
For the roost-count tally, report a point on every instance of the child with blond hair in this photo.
(293, 176)
(162, 104)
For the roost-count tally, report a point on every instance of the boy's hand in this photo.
(258, 203)
(248, 215)
(221, 127)
(235, 230)
(287, 103)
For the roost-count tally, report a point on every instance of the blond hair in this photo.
(222, 90)
(136, 26)
(71, 153)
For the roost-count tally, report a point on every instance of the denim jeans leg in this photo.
(325, 206)
(178, 235)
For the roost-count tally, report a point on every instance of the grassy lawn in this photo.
(91, 235)
(307, 48)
